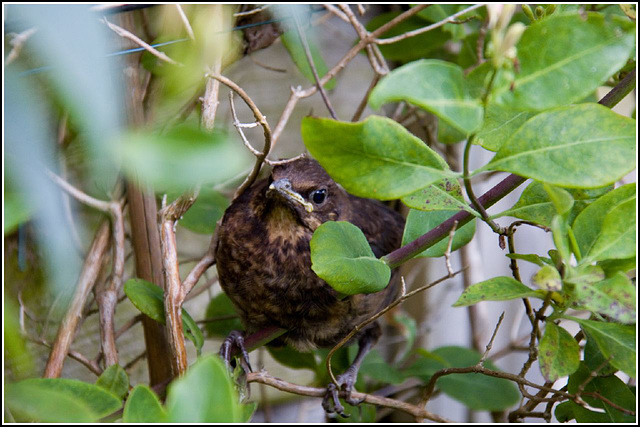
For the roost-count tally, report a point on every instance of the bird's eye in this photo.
(318, 196)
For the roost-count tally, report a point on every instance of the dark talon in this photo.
(235, 338)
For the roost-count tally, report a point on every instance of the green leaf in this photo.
(595, 360)
(115, 380)
(561, 199)
(292, 358)
(411, 48)
(375, 367)
(291, 41)
(444, 195)
(341, 255)
(611, 388)
(439, 12)
(584, 146)
(533, 258)
(548, 278)
(208, 208)
(535, 205)
(560, 230)
(559, 353)
(476, 391)
(221, 306)
(579, 53)
(32, 402)
(375, 158)
(587, 226)
(614, 340)
(614, 297)
(419, 223)
(436, 86)
(617, 238)
(149, 299)
(502, 288)
(16, 211)
(181, 158)
(143, 406)
(205, 394)
(612, 266)
(498, 125)
(91, 401)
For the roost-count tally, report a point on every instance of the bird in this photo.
(264, 264)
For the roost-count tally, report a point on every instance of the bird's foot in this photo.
(331, 402)
(235, 338)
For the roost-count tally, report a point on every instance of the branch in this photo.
(130, 36)
(622, 89)
(264, 378)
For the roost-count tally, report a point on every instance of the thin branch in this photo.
(185, 21)
(622, 89)
(264, 378)
(78, 357)
(130, 36)
(490, 343)
(307, 52)
(363, 103)
(79, 195)
(423, 30)
(17, 43)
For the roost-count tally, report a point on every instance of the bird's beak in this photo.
(284, 188)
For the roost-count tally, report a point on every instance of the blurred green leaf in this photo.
(502, 288)
(221, 306)
(292, 358)
(615, 341)
(375, 158)
(586, 48)
(436, 86)
(205, 394)
(374, 366)
(16, 211)
(61, 400)
(149, 299)
(587, 226)
(143, 406)
(583, 146)
(181, 158)
(419, 223)
(439, 12)
(617, 238)
(409, 330)
(341, 255)
(411, 48)
(561, 199)
(291, 41)
(115, 380)
(559, 353)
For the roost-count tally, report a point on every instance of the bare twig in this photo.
(17, 43)
(185, 21)
(490, 343)
(264, 378)
(130, 36)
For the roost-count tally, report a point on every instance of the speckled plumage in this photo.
(263, 256)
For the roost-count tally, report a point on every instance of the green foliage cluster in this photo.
(533, 112)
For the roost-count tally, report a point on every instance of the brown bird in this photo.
(264, 264)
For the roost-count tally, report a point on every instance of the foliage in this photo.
(531, 104)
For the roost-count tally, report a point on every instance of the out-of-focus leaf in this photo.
(208, 208)
(291, 41)
(222, 307)
(292, 358)
(614, 297)
(143, 406)
(115, 380)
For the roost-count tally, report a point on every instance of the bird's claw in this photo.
(235, 338)
(331, 402)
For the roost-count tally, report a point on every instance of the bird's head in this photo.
(307, 190)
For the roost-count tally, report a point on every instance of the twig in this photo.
(17, 43)
(360, 326)
(307, 52)
(331, 8)
(185, 21)
(89, 364)
(490, 343)
(130, 36)
(264, 378)
(427, 28)
(376, 59)
(622, 89)
(79, 195)
(447, 253)
(363, 103)
(68, 327)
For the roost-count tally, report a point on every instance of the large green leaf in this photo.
(375, 158)
(583, 146)
(502, 288)
(341, 255)
(587, 226)
(436, 86)
(205, 394)
(143, 406)
(615, 341)
(419, 223)
(614, 297)
(559, 353)
(535, 205)
(564, 58)
(499, 124)
(617, 238)
(51, 399)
